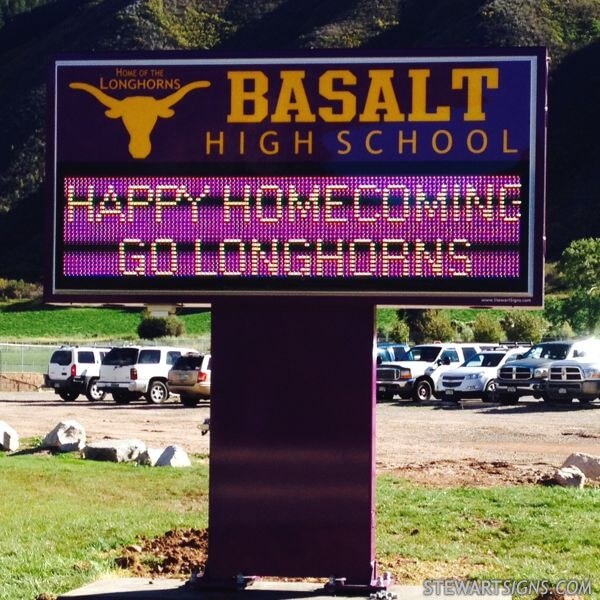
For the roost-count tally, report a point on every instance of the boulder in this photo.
(114, 450)
(150, 456)
(9, 438)
(569, 477)
(67, 436)
(173, 456)
(589, 465)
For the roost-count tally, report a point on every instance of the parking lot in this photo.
(433, 441)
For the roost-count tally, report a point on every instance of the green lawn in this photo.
(64, 520)
(29, 321)
(530, 532)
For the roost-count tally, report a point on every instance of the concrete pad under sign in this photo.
(137, 588)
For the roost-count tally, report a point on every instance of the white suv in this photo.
(131, 372)
(74, 370)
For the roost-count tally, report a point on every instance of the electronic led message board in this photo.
(415, 180)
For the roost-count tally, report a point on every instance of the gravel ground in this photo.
(436, 444)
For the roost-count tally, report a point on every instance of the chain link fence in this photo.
(25, 358)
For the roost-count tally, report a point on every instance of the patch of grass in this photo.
(64, 521)
(515, 533)
(28, 321)
(63, 518)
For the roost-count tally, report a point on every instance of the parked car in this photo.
(575, 379)
(476, 377)
(74, 370)
(190, 378)
(390, 351)
(130, 372)
(528, 375)
(416, 375)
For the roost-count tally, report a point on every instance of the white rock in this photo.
(569, 477)
(67, 436)
(150, 456)
(589, 465)
(114, 450)
(174, 456)
(9, 438)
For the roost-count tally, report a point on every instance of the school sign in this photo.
(408, 179)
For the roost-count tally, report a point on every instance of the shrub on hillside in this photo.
(18, 289)
(156, 327)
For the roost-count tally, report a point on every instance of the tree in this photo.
(432, 325)
(400, 332)
(579, 265)
(524, 326)
(582, 310)
(392, 326)
(487, 329)
(579, 269)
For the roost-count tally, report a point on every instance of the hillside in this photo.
(33, 30)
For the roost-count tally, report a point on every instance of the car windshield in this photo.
(424, 353)
(188, 363)
(484, 359)
(121, 357)
(61, 357)
(549, 351)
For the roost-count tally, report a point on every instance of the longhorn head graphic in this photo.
(139, 113)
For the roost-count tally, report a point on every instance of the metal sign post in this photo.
(291, 456)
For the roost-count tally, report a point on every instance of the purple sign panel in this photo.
(413, 180)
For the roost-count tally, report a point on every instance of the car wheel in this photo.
(422, 391)
(489, 393)
(188, 400)
(68, 396)
(157, 393)
(93, 394)
(121, 397)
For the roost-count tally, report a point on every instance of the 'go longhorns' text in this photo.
(272, 203)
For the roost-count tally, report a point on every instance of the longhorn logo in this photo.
(139, 113)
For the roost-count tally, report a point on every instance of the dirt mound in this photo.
(177, 553)
(472, 472)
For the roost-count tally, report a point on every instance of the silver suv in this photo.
(131, 372)
(74, 370)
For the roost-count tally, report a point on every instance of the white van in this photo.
(131, 372)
